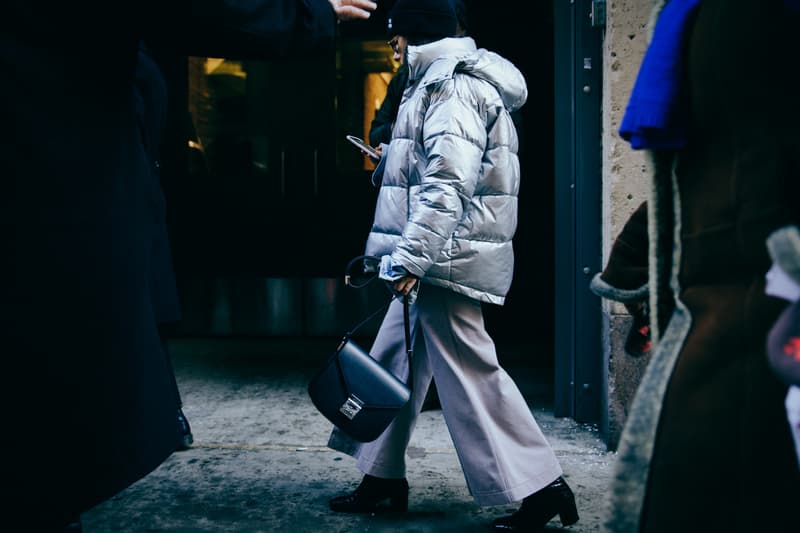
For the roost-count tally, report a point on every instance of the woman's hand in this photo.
(405, 284)
(353, 9)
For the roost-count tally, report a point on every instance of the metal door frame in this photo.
(579, 366)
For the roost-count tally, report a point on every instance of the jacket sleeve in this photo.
(248, 29)
(454, 140)
(625, 276)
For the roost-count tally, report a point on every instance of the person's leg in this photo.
(385, 456)
(383, 460)
(504, 455)
(503, 452)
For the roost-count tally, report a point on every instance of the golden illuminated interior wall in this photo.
(378, 66)
(213, 84)
(199, 100)
(216, 84)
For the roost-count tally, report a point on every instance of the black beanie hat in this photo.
(424, 18)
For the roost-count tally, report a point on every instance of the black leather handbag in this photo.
(354, 391)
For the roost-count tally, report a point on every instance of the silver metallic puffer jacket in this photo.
(447, 206)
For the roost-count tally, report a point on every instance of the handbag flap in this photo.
(372, 383)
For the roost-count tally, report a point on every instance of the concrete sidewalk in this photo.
(260, 464)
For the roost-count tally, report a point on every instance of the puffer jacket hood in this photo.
(465, 57)
(449, 179)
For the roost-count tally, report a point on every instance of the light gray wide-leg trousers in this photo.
(503, 453)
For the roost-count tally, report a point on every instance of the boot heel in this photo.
(370, 495)
(568, 513)
(398, 503)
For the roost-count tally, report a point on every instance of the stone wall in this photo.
(625, 184)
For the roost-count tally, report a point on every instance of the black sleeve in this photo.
(248, 29)
(380, 130)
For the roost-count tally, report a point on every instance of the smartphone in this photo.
(364, 147)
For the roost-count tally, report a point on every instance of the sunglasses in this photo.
(394, 44)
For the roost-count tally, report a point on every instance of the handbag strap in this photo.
(349, 280)
(407, 328)
(372, 315)
(364, 261)
(409, 347)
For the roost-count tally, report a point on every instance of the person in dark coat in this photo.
(151, 104)
(88, 396)
(706, 446)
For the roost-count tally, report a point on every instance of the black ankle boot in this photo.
(540, 507)
(372, 492)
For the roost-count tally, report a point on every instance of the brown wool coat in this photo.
(706, 445)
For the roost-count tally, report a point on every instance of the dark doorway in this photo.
(527, 318)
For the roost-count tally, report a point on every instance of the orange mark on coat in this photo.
(792, 348)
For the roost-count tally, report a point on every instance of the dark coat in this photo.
(151, 104)
(706, 445)
(88, 402)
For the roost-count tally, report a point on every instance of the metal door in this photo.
(579, 375)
